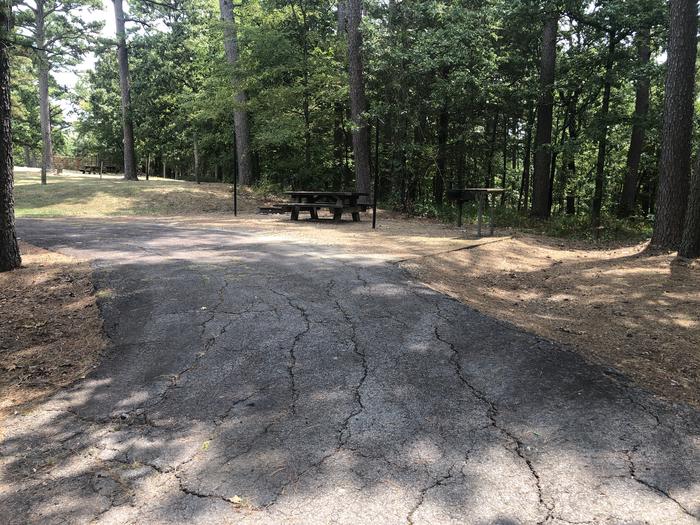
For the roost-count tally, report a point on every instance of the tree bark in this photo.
(195, 151)
(545, 107)
(674, 163)
(44, 105)
(527, 162)
(568, 169)
(9, 249)
(597, 207)
(441, 172)
(127, 118)
(240, 114)
(690, 243)
(641, 109)
(358, 102)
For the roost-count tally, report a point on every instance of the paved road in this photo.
(250, 381)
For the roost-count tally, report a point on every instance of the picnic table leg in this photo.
(314, 213)
(337, 215)
(459, 214)
(480, 217)
(295, 213)
(493, 205)
(356, 216)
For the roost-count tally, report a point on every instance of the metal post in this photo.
(235, 178)
(376, 174)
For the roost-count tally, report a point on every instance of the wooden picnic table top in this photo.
(334, 193)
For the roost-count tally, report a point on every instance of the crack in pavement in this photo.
(441, 480)
(344, 432)
(633, 474)
(373, 448)
(291, 366)
(492, 414)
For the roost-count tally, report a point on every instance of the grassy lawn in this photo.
(75, 195)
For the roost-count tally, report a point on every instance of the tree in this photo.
(9, 250)
(58, 35)
(240, 113)
(674, 163)
(358, 102)
(641, 110)
(690, 243)
(597, 207)
(127, 117)
(541, 186)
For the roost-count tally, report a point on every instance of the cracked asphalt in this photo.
(254, 381)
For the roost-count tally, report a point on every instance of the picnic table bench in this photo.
(89, 168)
(337, 202)
(482, 195)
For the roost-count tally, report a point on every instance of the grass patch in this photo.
(76, 195)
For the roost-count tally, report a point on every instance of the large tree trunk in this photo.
(603, 138)
(9, 249)
(358, 102)
(240, 114)
(641, 108)
(127, 118)
(545, 106)
(674, 164)
(690, 243)
(44, 106)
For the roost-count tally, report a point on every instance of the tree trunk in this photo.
(441, 172)
(195, 151)
(240, 114)
(9, 250)
(690, 243)
(44, 105)
(504, 180)
(603, 139)
(148, 166)
(674, 164)
(568, 169)
(641, 108)
(545, 107)
(127, 118)
(358, 103)
(527, 160)
(492, 131)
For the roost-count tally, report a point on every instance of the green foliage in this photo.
(452, 87)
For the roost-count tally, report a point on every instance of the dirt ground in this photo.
(619, 307)
(51, 331)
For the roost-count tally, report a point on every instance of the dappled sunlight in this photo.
(639, 313)
(259, 381)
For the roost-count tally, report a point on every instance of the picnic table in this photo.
(88, 168)
(482, 195)
(337, 202)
